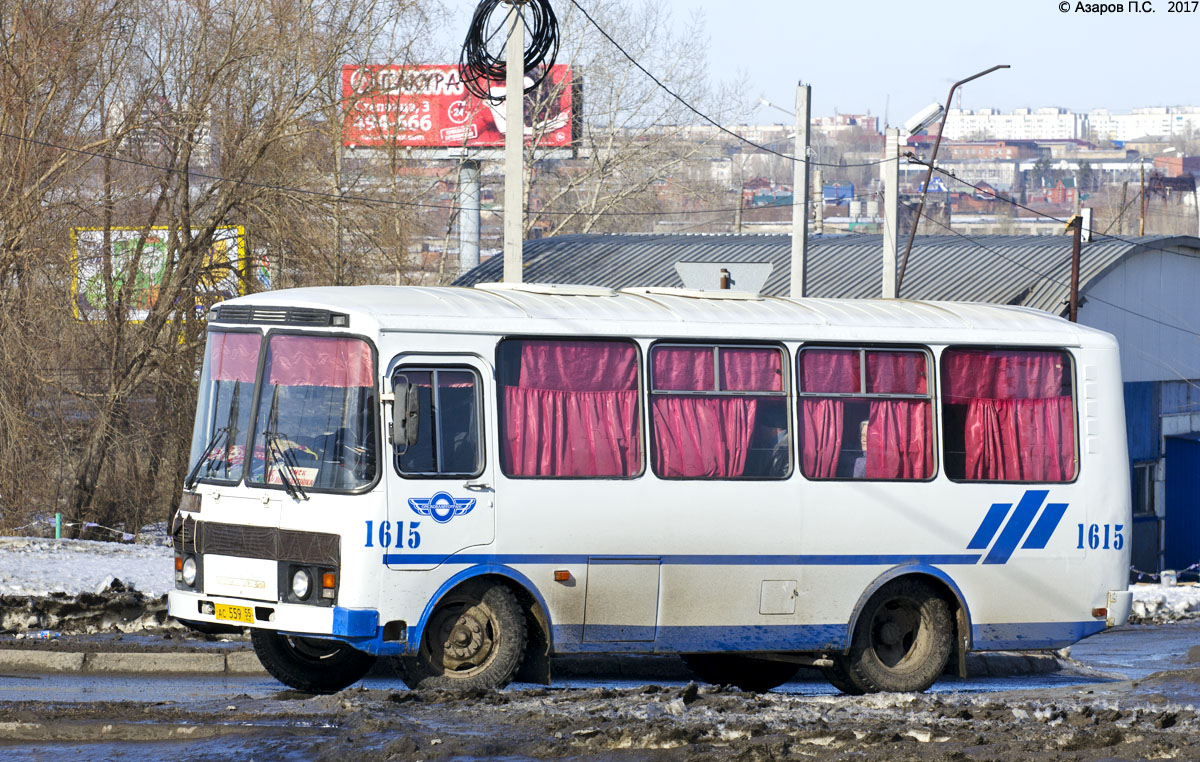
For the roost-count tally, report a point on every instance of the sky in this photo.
(895, 58)
(899, 57)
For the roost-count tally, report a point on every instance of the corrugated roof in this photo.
(1032, 271)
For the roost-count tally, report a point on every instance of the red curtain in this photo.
(233, 356)
(820, 437)
(828, 371)
(708, 436)
(751, 370)
(1019, 424)
(1001, 374)
(1022, 440)
(702, 436)
(899, 441)
(573, 411)
(896, 373)
(319, 361)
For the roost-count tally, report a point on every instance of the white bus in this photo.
(475, 479)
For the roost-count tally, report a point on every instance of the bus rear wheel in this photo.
(475, 638)
(902, 641)
(312, 665)
(744, 672)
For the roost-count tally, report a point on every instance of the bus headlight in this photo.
(301, 583)
(189, 571)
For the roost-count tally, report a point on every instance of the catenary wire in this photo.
(704, 116)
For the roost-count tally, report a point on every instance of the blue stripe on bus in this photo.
(1014, 530)
(399, 559)
(1019, 636)
(1045, 526)
(987, 529)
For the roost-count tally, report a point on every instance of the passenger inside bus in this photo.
(860, 463)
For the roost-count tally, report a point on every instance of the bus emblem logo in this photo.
(1014, 529)
(441, 507)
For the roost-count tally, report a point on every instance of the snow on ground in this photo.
(37, 566)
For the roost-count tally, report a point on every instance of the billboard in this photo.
(428, 106)
(221, 280)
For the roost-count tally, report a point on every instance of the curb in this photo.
(239, 663)
(626, 667)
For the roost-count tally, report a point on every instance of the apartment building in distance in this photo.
(1158, 122)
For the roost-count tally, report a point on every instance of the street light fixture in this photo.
(933, 159)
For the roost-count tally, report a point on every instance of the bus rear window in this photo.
(1008, 415)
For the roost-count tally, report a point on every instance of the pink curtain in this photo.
(896, 373)
(830, 371)
(573, 411)
(233, 356)
(319, 361)
(702, 436)
(751, 370)
(899, 441)
(1019, 425)
(683, 369)
(820, 437)
(708, 436)
(1023, 440)
(1001, 374)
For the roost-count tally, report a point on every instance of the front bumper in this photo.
(336, 621)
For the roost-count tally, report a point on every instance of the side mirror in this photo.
(406, 413)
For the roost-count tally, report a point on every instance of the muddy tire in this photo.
(312, 665)
(839, 677)
(475, 638)
(902, 640)
(744, 672)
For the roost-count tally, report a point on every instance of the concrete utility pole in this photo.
(819, 203)
(889, 175)
(800, 195)
(468, 215)
(514, 145)
(1075, 225)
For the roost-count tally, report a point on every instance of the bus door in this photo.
(441, 496)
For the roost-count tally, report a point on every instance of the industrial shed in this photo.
(1145, 291)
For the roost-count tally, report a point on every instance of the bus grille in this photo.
(259, 542)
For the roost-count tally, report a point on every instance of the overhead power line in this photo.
(701, 114)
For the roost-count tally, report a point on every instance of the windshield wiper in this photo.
(224, 436)
(220, 436)
(277, 454)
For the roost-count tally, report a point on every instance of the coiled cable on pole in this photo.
(478, 65)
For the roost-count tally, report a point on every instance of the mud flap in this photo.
(964, 640)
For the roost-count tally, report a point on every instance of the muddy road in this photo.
(1080, 715)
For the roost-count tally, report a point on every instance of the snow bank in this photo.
(1162, 603)
(36, 566)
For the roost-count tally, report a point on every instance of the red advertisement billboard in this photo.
(429, 106)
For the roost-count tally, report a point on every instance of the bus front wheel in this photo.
(901, 642)
(744, 672)
(475, 638)
(312, 665)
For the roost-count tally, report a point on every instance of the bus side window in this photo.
(718, 412)
(1008, 415)
(865, 413)
(448, 426)
(569, 408)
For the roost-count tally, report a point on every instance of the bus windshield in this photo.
(316, 414)
(314, 423)
(224, 407)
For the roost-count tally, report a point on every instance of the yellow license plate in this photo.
(243, 614)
